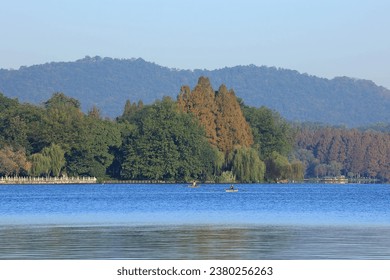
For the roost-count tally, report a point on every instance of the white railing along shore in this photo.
(47, 180)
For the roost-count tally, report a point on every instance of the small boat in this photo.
(193, 185)
(231, 189)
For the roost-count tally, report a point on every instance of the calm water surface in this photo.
(292, 221)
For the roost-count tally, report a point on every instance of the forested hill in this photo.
(108, 83)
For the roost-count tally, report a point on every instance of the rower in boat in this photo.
(231, 189)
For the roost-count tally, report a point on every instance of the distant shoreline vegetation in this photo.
(204, 135)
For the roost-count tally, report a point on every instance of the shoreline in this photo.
(92, 180)
(46, 180)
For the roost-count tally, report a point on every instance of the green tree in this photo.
(7, 103)
(23, 126)
(56, 157)
(94, 113)
(270, 131)
(246, 165)
(130, 109)
(60, 100)
(166, 144)
(219, 161)
(66, 123)
(277, 167)
(40, 165)
(92, 154)
(297, 171)
(14, 131)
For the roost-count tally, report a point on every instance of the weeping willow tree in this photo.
(40, 165)
(56, 157)
(50, 161)
(246, 165)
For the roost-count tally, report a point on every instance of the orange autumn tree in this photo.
(220, 114)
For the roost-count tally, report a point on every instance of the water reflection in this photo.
(194, 242)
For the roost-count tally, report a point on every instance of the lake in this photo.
(172, 221)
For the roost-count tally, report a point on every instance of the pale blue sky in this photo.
(324, 38)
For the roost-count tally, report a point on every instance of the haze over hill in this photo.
(108, 83)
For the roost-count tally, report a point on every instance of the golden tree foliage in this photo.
(361, 153)
(13, 162)
(220, 114)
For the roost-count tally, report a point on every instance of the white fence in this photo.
(47, 180)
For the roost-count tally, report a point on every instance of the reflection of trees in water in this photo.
(181, 242)
(229, 243)
(194, 242)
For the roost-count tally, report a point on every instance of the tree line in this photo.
(331, 151)
(203, 135)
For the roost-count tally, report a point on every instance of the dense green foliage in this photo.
(49, 162)
(57, 138)
(280, 169)
(197, 137)
(166, 144)
(246, 165)
(107, 82)
(270, 131)
(158, 141)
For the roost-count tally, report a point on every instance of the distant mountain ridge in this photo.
(107, 83)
